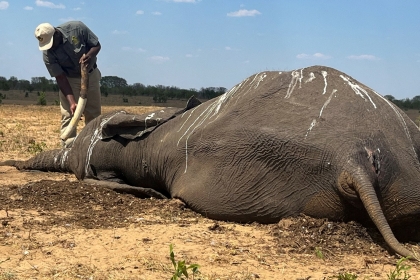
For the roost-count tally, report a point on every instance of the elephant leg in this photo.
(124, 188)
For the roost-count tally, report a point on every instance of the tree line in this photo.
(113, 85)
(406, 103)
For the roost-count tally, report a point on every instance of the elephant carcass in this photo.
(313, 141)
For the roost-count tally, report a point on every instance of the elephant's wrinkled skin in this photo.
(312, 141)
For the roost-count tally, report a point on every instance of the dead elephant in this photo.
(312, 141)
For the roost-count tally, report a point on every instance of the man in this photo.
(63, 48)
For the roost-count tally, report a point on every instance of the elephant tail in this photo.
(53, 161)
(358, 180)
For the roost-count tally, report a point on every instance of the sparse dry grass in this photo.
(27, 129)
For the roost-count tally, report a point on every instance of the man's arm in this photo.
(65, 88)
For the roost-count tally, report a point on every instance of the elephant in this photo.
(311, 141)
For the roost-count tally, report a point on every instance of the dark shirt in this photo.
(78, 39)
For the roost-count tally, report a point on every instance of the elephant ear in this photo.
(191, 103)
(130, 126)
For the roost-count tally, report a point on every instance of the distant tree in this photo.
(104, 91)
(139, 89)
(4, 85)
(113, 82)
(160, 97)
(24, 85)
(13, 83)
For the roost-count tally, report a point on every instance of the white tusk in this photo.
(81, 103)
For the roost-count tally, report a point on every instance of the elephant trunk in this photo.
(53, 161)
(366, 192)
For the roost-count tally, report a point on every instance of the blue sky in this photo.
(205, 43)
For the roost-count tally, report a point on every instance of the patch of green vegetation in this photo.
(319, 254)
(8, 275)
(181, 270)
(42, 100)
(345, 276)
(401, 271)
(35, 148)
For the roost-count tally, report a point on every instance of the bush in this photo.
(42, 100)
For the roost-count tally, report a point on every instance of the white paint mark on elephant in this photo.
(313, 123)
(321, 111)
(400, 118)
(327, 102)
(189, 115)
(324, 74)
(293, 82)
(64, 159)
(256, 75)
(260, 79)
(311, 78)
(300, 78)
(208, 113)
(96, 136)
(149, 117)
(358, 89)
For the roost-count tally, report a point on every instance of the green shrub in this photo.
(400, 272)
(180, 268)
(42, 100)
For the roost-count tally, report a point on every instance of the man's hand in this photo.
(85, 59)
(67, 91)
(73, 108)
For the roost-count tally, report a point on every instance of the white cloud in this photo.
(313, 56)
(118, 32)
(77, 9)
(363, 57)
(66, 19)
(4, 5)
(28, 8)
(48, 4)
(227, 48)
(189, 55)
(157, 13)
(139, 12)
(185, 1)
(181, 1)
(159, 59)
(244, 13)
(130, 49)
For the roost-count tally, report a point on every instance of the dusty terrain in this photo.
(54, 227)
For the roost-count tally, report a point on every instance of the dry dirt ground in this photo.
(54, 227)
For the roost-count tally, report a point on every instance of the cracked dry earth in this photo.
(54, 227)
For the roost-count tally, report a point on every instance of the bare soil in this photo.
(54, 227)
